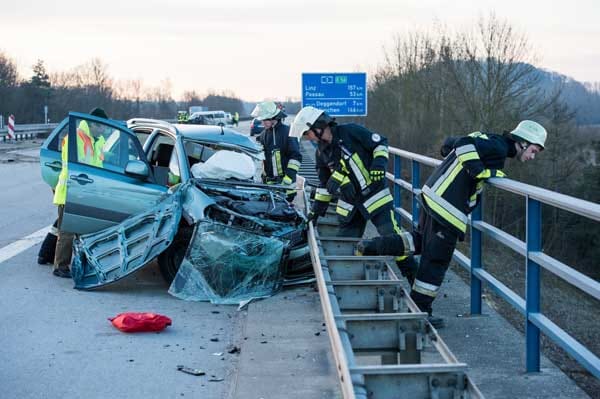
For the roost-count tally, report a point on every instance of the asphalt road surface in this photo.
(56, 342)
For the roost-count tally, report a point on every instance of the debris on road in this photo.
(189, 370)
(140, 322)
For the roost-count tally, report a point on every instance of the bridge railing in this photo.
(530, 249)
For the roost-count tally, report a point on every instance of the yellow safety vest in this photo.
(89, 151)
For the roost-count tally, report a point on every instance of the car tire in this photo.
(170, 259)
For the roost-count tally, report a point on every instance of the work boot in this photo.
(47, 250)
(424, 304)
(436, 322)
(64, 273)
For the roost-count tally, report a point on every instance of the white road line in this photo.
(22, 244)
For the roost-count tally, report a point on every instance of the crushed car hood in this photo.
(242, 233)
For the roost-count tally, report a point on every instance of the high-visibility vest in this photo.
(89, 151)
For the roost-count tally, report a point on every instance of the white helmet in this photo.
(267, 110)
(530, 131)
(304, 120)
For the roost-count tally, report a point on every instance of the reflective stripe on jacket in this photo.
(453, 189)
(89, 151)
(351, 155)
(282, 153)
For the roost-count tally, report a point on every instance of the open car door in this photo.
(108, 176)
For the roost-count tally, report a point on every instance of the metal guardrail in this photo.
(382, 344)
(27, 131)
(531, 249)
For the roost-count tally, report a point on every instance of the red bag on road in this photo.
(137, 322)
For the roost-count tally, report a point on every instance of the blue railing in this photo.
(531, 249)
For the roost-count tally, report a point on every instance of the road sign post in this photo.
(11, 127)
(339, 94)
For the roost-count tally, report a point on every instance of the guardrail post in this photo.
(534, 244)
(476, 260)
(416, 182)
(397, 175)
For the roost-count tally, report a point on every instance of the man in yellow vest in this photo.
(89, 151)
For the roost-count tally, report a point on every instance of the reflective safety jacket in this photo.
(89, 151)
(282, 154)
(353, 152)
(454, 188)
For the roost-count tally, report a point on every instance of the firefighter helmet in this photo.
(267, 110)
(307, 118)
(530, 131)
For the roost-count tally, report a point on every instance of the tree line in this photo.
(90, 85)
(438, 84)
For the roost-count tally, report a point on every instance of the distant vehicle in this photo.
(197, 108)
(196, 119)
(217, 118)
(256, 126)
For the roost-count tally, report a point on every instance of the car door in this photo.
(50, 161)
(100, 193)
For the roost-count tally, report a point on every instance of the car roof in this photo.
(217, 134)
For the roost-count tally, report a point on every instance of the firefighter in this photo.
(450, 194)
(357, 160)
(282, 152)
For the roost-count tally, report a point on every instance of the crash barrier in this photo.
(531, 249)
(382, 343)
(25, 132)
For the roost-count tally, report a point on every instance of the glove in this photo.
(377, 175)
(312, 217)
(286, 181)
(487, 173)
(319, 208)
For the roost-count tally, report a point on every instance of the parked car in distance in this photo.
(256, 126)
(217, 118)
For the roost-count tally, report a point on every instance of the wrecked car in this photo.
(186, 183)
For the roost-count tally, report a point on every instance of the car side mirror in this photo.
(137, 168)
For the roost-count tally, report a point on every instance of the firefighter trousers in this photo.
(385, 221)
(437, 246)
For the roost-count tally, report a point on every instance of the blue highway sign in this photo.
(339, 94)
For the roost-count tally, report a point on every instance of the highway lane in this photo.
(57, 342)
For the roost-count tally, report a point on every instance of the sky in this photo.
(258, 49)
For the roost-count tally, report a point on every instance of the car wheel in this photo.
(170, 259)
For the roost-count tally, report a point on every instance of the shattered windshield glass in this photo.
(227, 265)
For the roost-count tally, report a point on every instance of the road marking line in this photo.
(22, 244)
